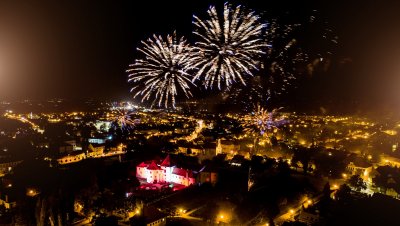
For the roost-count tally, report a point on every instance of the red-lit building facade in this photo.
(164, 173)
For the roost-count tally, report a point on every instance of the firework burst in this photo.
(261, 121)
(123, 119)
(163, 71)
(294, 49)
(279, 67)
(229, 46)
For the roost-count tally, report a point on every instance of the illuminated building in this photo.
(99, 140)
(203, 151)
(69, 147)
(71, 158)
(102, 125)
(359, 168)
(387, 160)
(208, 175)
(227, 146)
(164, 173)
(7, 166)
(7, 200)
(95, 151)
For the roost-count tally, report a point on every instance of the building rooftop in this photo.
(153, 166)
(166, 162)
(182, 172)
(142, 165)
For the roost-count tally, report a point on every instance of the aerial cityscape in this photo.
(199, 113)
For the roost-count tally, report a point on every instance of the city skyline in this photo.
(81, 51)
(199, 113)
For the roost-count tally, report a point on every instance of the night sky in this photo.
(81, 49)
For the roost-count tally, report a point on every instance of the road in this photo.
(187, 214)
(23, 120)
(287, 214)
(291, 212)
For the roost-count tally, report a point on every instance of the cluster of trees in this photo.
(357, 183)
(353, 208)
(328, 162)
(92, 184)
(387, 177)
(274, 187)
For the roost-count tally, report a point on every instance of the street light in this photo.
(182, 211)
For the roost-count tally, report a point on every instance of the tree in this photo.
(327, 190)
(274, 141)
(212, 211)
(387, 177)
(343, 193)
(330, 163)
(256, 163)
(303, 155)
(283, 168)
(357, 183)
(272, 210)
(326, 200)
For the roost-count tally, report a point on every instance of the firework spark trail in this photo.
(163, 72)
(227, 48)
